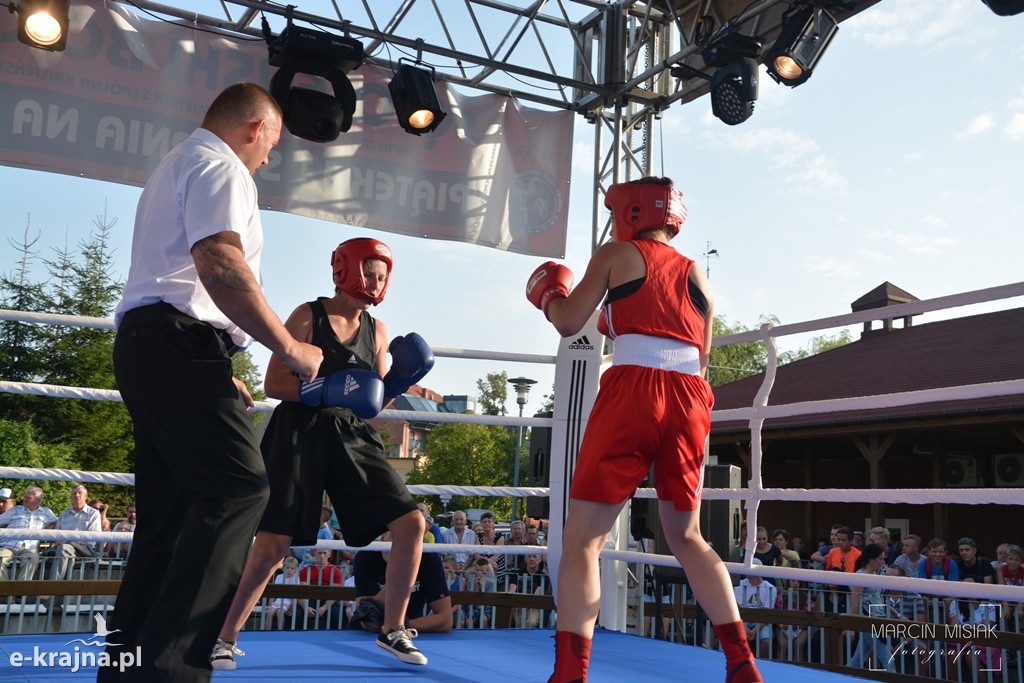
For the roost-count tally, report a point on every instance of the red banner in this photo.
(127, 89)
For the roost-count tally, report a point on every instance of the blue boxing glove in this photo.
(361, 391)
(411, 360)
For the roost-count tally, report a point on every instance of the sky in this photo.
(900, 160)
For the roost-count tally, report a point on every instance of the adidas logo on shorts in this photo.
(350, 384)
(581, 344)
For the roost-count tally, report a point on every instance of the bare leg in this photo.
(403, 564)
(267, 552)
(579, 579)
(705, 571)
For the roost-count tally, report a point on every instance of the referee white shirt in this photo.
(200, 188)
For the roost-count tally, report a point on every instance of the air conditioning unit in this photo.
(1009, 469)
(961, 471)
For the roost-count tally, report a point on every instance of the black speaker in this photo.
(539, 472)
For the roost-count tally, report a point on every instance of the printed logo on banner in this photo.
(536, 202)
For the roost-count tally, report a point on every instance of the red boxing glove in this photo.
(549, 282)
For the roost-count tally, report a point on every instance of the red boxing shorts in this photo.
(643, 416)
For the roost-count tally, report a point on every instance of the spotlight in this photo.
(311, 114)
(415, 100)
(43, 23)
(733, 91)
(734, 86)
(1005, 8)
(803, 40)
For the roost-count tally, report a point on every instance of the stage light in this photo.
(312, 114)
(804, 38)
(1005, 8)
(43, 23)
(733, 91)
(415, 100)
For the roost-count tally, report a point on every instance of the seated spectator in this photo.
(532, 535)
(101, 507)
(6, 499)
(868, 602)
(1000, 554)
(460, 534)
(306, 554)
(29, 515)
(985, 659)
(283, 607)
(820, 556)
(120, 550)
(793, 639)
(478, 577)
(797, 543)
(77, 517)
(755, 592)
(911, 556)
(321, 573)
(488, 536)
(532, 580)
(937, 564)
(430, 603)
(1012, 574)
(973, 566)
(433, 533)
(879, 535)
(516, 536)
(452, 577)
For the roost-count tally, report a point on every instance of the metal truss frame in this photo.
(610, 61)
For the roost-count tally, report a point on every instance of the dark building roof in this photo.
(969, 350)
(885, 294)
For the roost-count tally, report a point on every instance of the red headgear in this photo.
(642, 205)
(347, 264)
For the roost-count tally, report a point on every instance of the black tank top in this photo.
(337, 356)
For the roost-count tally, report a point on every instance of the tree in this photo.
(467, 455)
(19, 447)
(817, 345)
(493, 393)
(19, 342)
(735, 361)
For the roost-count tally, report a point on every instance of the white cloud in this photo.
(924, 23)
(976, 126)
(870, 255)
(1015, 128)
(798, 159)
(830, 266)
(934, 222)
(916, 242)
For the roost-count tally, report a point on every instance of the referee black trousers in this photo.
(201, 488)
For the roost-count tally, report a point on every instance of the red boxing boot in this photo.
(739, 660)
(572, 655)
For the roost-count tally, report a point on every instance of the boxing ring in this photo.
(472, 655)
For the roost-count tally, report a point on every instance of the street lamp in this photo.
(522, 385)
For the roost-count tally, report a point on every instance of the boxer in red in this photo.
(658, 309)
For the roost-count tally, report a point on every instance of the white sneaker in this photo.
(222, 656)
(399, 643)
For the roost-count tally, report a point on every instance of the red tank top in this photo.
(662, 306)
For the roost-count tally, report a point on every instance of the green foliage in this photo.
(493, 393)
(467, 455)
(97, 433)
(817, 345)
(734, 361)
(20, 448)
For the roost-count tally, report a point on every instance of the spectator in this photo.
(911, 556)
(430, 604)
(844, 556)
(879, 535)
(755, 592)
(452, 577)
(479, 577)
(532, 535)
(1000, 554)
(765, 551)
(1012, 574)
(487, 536)
(787, 557)
(120, 550)
(857, 540)
(461, 535)
(77, 517)
(792, 638)
(532, 580)
(283, 607)
(973, 566)
(29, 515)
(321, 573)
(797, 543)
(433, 533)
(936, 564)
(101, 507)
(907, 606)
(869, 602)
(516, 533)
(821, 555)
(6, 500)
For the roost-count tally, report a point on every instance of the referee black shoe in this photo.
(399, 643)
